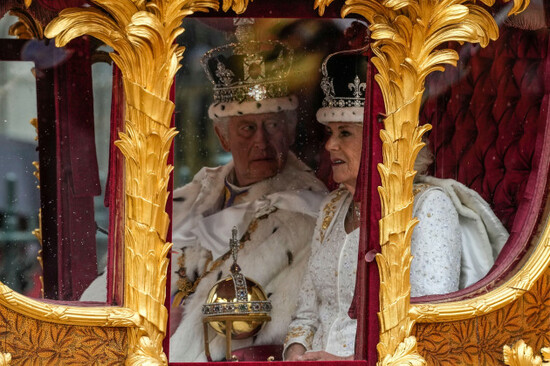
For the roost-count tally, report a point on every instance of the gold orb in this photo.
(246, 307)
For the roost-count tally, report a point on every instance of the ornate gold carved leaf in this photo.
(520, 355)
(142, 35)
(407, 35)
(238, 6)
(5, 359)
(27, 27)
(33, 342)
(405, 354)
(479, 340)
(60, 314)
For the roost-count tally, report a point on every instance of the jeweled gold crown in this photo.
(344, 86)
(249, 77)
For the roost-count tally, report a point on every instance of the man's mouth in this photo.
(338, 161)
(267, 158)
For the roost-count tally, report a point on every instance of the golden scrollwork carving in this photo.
(71, 315)
(142, 35)
(405, 354)
(238, 6)
(5, 359)
(407, 35)
(520, 354)
(38, 231)
(27, 27)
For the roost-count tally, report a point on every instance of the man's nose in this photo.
(260, 137)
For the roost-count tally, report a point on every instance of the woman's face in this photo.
(344, 145)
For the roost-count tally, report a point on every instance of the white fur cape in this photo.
(275, 256)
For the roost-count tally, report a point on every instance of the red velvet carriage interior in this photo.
(490, 118)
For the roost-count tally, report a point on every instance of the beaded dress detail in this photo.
(321, 321)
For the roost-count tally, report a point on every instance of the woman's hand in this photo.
(294, 352)
(322, 356)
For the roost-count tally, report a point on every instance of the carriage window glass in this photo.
(262, 77)
(488, 119)
(19, 195)
(54, 127)
(102, 85)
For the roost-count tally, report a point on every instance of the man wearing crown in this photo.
(265, 191)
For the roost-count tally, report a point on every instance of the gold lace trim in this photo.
(417, 188)
(299, 332)
(328, 212)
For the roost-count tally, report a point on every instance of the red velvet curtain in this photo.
(490, 116)
(366, 301)
(114, 196)
(169, 209)
(57, 5)
(69, 177)
(77, 171)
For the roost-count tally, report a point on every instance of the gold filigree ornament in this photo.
(520, 354)
(26, 27)
(5, 359)
(143, 37)
(238, 6)
(405, 354)
(406, 37)
(38, 231)
(69, 315)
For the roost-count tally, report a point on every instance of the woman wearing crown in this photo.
(321, 328)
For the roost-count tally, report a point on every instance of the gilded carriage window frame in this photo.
(407, 35)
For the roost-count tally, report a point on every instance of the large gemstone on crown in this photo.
(255, 70)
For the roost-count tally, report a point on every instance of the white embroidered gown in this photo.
(321, 321)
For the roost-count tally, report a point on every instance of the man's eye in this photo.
(272, 125)
(248, 128)
(345, 133)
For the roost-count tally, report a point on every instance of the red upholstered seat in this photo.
(490, 117)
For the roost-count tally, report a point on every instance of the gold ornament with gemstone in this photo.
(236, 306)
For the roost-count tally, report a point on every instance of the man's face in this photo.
(259, 144)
